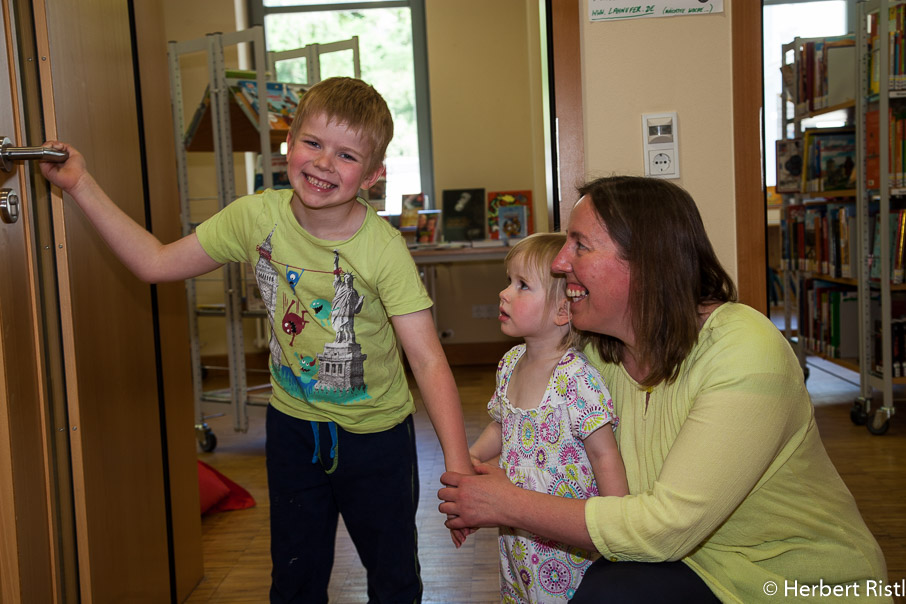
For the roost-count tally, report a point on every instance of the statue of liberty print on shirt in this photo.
(336, 373)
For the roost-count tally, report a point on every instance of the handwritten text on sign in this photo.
(612, 10)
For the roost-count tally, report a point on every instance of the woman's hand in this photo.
(476, 501)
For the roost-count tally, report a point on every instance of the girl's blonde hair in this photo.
(538, 252)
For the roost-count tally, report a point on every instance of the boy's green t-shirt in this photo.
(334, 354)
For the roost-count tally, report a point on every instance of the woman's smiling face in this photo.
(597, 277)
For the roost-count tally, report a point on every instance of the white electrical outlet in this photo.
(660, 145)
(660, 162)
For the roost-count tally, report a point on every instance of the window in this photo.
(392, 58)
(784, 21)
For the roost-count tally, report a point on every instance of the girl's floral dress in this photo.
(543, 451)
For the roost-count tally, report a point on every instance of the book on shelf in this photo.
(279, 174)
(818, 238)
(376, 195)
(503, 199)
(829, 159)
(412, 203)
(839, 83)
(513, 221)
(789, 165)
(282, 100)
(897, 53)
(829, 318)
(463, 214)
(896, 225)
(825, 73)
(428, 226)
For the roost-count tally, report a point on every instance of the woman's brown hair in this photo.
(673, 269)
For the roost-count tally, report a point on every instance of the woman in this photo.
(732, 495)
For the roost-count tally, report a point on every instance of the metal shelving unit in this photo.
(231, 130)
(871, 378)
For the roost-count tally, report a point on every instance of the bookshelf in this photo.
(816, 178)
(851, 302)
(234, 115)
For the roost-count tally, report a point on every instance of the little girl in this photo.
(547, 408)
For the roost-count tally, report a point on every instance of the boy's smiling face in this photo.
(328, 163)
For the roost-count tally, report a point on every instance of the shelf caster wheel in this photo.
(208, 442)
(879, 424)
(858, 415)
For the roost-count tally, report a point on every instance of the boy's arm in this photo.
(606, 463)
(141, 252)
(418, 335)
(488, 444)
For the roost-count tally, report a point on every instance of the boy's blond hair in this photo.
(354, 103)
(538, 252)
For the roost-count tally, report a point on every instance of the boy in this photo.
(340, 288)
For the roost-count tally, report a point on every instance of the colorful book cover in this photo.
(789, 166)
(500, 199)
(428, 228)
(463, 214)
(412, 203)
(282, 100)
(513, 221)
(279, 173)
(838, 161)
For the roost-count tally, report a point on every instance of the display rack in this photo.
(224, 123)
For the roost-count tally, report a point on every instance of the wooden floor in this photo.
(237, 565)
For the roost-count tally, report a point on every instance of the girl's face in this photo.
(523, 312)
(597, 278)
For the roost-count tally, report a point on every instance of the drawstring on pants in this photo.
(334, 445)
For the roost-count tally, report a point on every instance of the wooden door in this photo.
(26, 549)
(124, 525)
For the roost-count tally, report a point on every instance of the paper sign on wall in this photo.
(616, 10)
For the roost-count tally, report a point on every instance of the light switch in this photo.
(659, 141)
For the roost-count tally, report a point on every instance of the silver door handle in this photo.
(9, 154)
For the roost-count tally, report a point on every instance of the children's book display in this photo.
(468, 217)
(282, 100)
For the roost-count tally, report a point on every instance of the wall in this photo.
(680, 64)
(488, 131)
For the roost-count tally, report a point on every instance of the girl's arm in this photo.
(139, 250)
(488, 444)
(417, 333)
(602, 451)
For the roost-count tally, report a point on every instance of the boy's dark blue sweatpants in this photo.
(317, 470)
